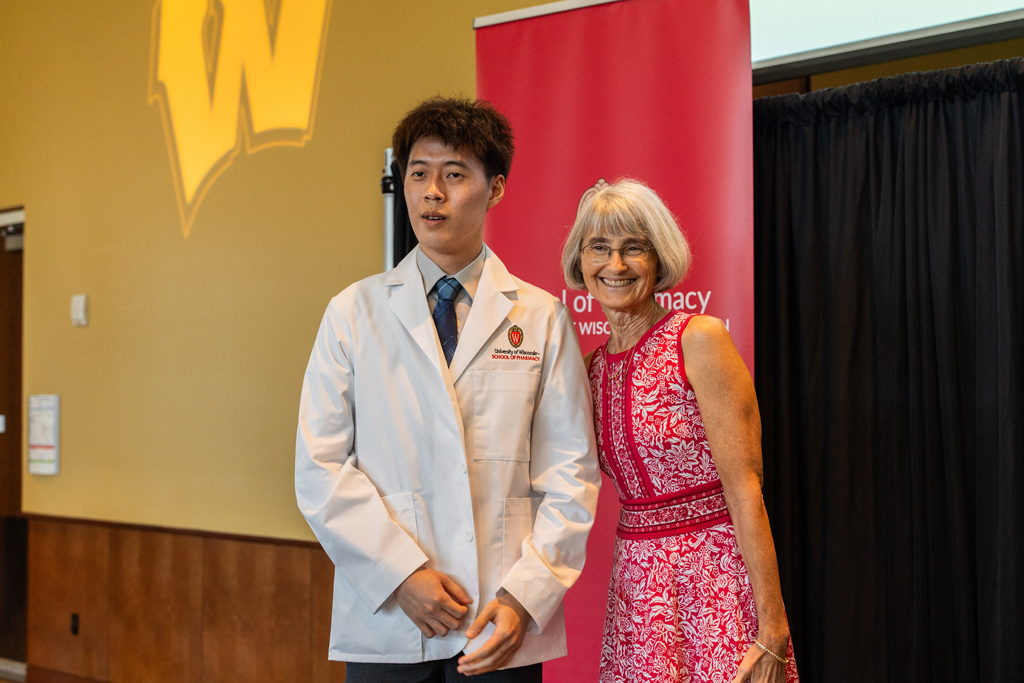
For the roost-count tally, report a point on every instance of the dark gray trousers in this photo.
(437, 671)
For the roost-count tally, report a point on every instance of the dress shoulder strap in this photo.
(679, 340)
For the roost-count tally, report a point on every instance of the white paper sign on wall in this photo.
(44, 434)
(79, 310)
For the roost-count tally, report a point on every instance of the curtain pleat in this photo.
(889, 252)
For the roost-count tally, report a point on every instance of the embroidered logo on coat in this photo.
(515, 336)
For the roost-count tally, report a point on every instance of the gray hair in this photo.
(628, 208)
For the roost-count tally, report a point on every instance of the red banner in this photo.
(657, 90)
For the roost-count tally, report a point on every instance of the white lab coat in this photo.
(486, 470)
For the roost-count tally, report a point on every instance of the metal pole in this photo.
(387, 187)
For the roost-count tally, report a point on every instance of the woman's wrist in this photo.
(782, 659)
(776, 640)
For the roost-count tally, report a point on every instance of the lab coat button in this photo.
(463, 466)
(469, 535)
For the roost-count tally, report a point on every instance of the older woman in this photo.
(694, 592)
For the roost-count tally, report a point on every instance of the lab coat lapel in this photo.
(409, 302)
(490, 308)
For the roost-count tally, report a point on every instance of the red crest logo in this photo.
(515, 336)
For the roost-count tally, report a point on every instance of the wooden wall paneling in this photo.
(321, 598)
(37, 674)
(13, 588)
(10, 380)
(156, 606)
(68, 574)
(256, 616)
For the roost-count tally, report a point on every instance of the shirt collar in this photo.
(468, 277)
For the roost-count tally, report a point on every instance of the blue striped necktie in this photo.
(444, 315)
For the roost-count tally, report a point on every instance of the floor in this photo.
(11, 671)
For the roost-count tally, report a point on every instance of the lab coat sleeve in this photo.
(341, 505)
(563, 467)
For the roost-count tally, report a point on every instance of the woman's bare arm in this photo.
(728, 406)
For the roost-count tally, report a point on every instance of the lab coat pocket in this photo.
(520, 514)
(503, 403)
(394, 633)
(402, 508)
(357, 633)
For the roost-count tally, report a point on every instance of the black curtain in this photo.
(404, 239)
(889, 252)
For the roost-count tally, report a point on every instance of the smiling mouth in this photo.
(617, 282)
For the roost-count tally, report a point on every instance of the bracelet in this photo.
(784, 660)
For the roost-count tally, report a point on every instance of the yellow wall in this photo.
(179, 399)
(939, 60)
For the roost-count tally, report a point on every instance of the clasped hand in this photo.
(437, 605)
(510, 621)
(434, 602)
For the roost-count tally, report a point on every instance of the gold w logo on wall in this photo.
(233, 74)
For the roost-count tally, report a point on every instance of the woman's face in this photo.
(620, 272)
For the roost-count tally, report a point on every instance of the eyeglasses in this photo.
(602, 253)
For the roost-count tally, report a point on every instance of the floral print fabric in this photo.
(680, 607)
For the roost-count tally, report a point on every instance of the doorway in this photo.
(13, 526)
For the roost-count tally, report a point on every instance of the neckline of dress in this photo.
(615, 357)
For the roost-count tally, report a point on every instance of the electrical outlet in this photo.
(74, 624)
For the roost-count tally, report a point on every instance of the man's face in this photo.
(448, 195)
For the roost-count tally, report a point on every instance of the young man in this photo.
(445, 456)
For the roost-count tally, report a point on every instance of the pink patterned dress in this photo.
(680, 604)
